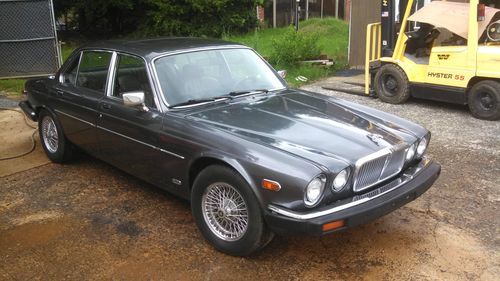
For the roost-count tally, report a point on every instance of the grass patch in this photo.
(330, 36)
(332, 40)
(15, 86)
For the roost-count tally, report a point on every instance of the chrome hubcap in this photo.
(225, 211)
(49, 134)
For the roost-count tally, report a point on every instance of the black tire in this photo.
(392, 85)
(484, 100)
(256, 235)
(60, 150)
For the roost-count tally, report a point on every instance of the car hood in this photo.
(316, 127)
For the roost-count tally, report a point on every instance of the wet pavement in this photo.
(88, 220)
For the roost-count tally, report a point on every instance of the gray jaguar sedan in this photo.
(213, 122)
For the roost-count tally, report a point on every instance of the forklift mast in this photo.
(392, 15)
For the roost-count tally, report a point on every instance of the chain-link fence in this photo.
(28, 40)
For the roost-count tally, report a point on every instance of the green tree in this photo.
(199, 17)
(211, 18)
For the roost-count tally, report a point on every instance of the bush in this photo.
(293, 47)
(204, 18)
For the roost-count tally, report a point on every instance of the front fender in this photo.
(293, 174)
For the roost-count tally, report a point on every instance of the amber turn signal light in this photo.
(271, 185)
(333, 225)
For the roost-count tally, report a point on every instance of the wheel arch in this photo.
(476, 79)
(208, 159)
(39, 108)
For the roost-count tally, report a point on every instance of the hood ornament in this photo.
(376, 138)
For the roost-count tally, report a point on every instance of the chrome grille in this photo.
(378, 167)
(394, 164)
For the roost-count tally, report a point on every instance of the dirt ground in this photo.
(87, 220)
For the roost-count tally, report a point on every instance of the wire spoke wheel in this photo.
(225, 211)
(50, 135)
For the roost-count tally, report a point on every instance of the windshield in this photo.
(204, 75)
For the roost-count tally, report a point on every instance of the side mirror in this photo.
(133, 99)
(282, 73)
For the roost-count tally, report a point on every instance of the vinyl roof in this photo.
(150, 48)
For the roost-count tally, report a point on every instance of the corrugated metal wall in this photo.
(363, 12)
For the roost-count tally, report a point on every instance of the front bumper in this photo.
(359, 209)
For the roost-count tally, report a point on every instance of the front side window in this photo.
(131, 76)
(93, 70)
(212, 73)
(69, 77)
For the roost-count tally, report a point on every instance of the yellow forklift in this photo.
(445, 51)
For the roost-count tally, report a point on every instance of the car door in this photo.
(76, 97)
(129, 135)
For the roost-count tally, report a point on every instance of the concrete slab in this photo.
(16, 138)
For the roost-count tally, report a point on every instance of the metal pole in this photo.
(321, 8)
(297, 15)
(307, 9)
(336, 9)
(274, 13)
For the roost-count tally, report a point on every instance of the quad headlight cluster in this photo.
(418, 149)
(315, 188)
(340, 180)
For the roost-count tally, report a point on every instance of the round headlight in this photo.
(410, 153)
(314, 190)
(340, 180)
(422, 146)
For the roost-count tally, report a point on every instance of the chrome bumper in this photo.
(357, 200)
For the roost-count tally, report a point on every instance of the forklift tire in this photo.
(484, 100)
(391, 84)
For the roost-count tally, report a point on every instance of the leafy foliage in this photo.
(199, 17)
(161, 17)
(332, 40)
(294, 47)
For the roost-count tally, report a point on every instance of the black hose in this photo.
(33, 142)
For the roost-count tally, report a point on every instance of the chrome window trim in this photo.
(64, 71)
(148, 73)
(212, 48)
(405, 177)
(388, 151)
(81, 51)
(111, 74)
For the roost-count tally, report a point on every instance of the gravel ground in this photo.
(87, 220)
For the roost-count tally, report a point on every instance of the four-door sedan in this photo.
(213, 122)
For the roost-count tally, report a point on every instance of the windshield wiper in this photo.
(239, 93)
(231, 95)
(192, 102)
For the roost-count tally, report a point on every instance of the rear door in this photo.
(129, 135)
(82, 85)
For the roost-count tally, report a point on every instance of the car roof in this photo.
(152, 47)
